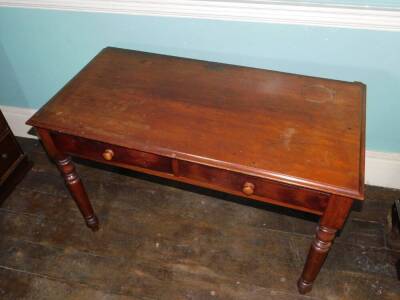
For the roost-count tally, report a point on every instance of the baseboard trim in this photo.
(269, 11)
(381, 168)
(16, 118)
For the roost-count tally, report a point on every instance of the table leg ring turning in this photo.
(78, 192)
(316, 257)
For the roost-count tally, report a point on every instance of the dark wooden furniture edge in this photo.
(21, 167)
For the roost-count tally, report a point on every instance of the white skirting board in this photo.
(381, 168)
(16, 118)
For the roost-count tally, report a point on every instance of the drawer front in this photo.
(112, 154)
(254, 187)
(9, 153)
(223, 180)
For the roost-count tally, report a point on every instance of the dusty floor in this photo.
(161, 240)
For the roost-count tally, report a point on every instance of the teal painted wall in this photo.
(41, 50)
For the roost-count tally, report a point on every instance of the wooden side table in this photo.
(285, 139)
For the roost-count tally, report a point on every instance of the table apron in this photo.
(248, 186)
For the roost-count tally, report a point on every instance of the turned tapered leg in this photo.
(78, 192)
(71, 178)
(316, 257)
(332, 220)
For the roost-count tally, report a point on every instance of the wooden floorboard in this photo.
(163, 240)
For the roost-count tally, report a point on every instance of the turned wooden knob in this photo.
(108, 154)
(248, 188)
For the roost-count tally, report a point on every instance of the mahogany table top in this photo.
(290, 128)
